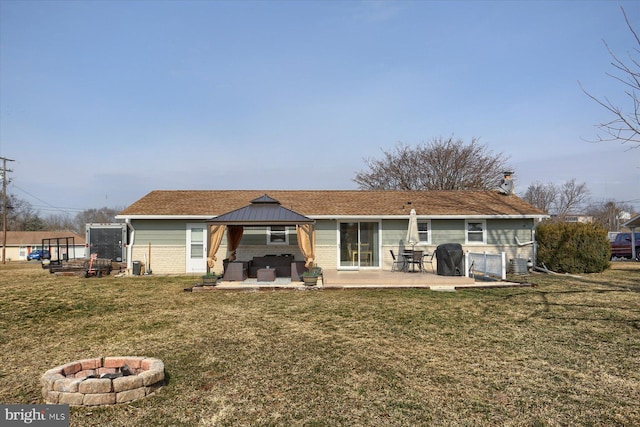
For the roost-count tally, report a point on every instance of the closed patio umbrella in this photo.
(413, 236)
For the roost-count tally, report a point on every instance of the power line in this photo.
(49, 206)
(57, 209)
(5, 179)
(31, 195)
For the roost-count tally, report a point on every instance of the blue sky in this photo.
(104, 101)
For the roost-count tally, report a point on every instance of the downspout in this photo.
(535, 247)
(532, 242)
(130, 244)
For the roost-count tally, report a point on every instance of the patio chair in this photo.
(415, 260)
(428, 259)
(352, 254)
(398, 264)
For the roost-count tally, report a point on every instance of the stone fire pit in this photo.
(102, 381)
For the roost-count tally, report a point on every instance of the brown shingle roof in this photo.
(333, 202)
(31, 238)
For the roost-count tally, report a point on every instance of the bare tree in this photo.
(609, 214)
(542, 196)
(21, 216)
(102, 215)
(625, 125)
(442, 164)
(59, 222)
(559, 200)
(571, 195)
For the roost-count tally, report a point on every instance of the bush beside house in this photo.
(573, 247)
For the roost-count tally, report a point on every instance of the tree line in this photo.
(572, 198)
(21, 216)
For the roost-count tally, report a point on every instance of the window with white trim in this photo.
(424, 231)
(277, 235)
(476, 232)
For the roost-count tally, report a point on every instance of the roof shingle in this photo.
(34, 238)
(210, 203)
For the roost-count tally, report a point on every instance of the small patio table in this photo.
(413, 258)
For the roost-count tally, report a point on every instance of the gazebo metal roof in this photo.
(262, 211)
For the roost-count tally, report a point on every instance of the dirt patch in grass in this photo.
(562, 353)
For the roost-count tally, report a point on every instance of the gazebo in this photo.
(263, 211)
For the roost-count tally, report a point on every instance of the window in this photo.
(277, 235)
(424, 228)
(476, 232)
(197, 243)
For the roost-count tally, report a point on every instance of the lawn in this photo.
(564, 352)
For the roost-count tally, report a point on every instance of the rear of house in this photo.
(355, 230)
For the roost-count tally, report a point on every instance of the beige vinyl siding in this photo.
(326, 243)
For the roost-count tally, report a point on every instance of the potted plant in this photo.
(310, 277)
(209, 279)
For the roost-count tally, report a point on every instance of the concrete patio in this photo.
(367, 279)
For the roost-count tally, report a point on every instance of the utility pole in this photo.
(5, 180)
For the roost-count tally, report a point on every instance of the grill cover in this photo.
(450, 259)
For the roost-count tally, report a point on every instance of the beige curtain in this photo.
(234, 235)
(215, 238)
(307, 242)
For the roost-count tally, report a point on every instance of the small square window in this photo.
(476, 232)
(277, 235)
(424, 228)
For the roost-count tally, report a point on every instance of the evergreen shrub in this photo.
(573, 247)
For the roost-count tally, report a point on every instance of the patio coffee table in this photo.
(266, 274)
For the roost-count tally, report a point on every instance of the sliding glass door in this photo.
(358, 245)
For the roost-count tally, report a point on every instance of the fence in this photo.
(490, 265)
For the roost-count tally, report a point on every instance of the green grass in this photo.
(565, 352)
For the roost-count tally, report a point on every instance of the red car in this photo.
(621, 246)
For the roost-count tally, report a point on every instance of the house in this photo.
(22, 243)
(575, 218)
(354, 229)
